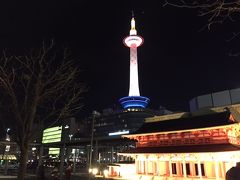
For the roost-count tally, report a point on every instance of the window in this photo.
(174, 168)
(202, 169)
(187, 169)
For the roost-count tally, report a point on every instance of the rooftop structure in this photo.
(216, 99)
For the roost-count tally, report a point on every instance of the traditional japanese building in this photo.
(186, 145)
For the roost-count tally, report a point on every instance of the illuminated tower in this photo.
(133, 100)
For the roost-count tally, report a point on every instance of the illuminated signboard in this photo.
(52, 134)
(54, 151)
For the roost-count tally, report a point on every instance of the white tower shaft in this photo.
(133, 84)
(133, 41)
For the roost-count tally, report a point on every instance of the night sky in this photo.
(178, 60)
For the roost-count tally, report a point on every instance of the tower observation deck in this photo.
(133, 100)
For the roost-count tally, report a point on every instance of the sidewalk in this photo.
(8, 177)
(33, 177)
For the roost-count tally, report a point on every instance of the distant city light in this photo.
(66, 127)
(7, 149)
(118, 133)
(94, 171)
(105, 172)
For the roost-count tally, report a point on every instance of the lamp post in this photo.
(94, 115)
(7, 149)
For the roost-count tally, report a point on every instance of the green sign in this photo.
(53, 134)
(54, 151)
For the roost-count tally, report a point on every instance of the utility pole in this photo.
(7, 149)
(94, 115)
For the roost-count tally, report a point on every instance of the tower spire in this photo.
(133, 30)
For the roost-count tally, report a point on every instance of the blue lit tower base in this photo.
(134, 102)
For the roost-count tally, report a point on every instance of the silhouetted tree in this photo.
(36, 87)
(217, 11)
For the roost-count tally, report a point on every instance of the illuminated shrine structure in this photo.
(133, 100)
(185, 146)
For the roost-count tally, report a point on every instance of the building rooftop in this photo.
(187, 123)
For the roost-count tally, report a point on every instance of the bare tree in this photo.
(37, 87)
(217, 11)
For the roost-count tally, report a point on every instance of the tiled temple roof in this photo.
(186, 123)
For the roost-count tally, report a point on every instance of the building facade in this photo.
(186, 146)
(216, 99)
(108, 127)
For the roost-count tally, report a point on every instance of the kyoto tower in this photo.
(133, 100)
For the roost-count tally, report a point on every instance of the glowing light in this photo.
(7, 149)
(94, 171)
(66, 127)
(54, 151)
(133, 30)
(53, 134)
(127, 171)
(134, 101)
(118, 133)
(133, 41)
(105, 173)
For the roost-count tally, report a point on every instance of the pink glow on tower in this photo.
(133, 41)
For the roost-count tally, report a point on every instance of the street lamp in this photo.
(94, 115)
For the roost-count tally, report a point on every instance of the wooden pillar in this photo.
(170, 167)
(142, 166)
(157, 167)
(137, 165)
(146, 165)
(223, 170)
(199, 170)
(216, 170)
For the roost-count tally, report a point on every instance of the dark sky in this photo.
(177, 61)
